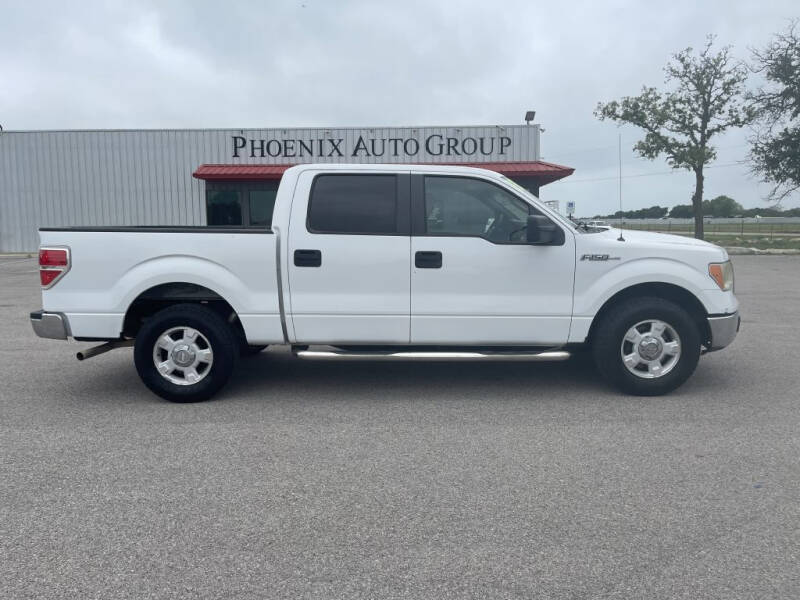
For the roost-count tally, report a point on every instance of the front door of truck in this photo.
(349, 258)
(474, 277)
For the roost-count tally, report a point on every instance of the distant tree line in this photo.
(721, 206)
(654, 212)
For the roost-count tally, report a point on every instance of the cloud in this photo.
(193, 64)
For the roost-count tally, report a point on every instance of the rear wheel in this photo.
(647, 346)
(185, 353)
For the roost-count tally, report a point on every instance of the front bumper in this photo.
(723, 330)
(50, 325)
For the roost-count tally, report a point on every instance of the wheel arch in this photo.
(668, 291)
(163, 295)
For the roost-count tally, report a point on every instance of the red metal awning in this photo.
(543, 172)
(237, 172)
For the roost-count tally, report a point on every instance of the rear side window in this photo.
(359, 204)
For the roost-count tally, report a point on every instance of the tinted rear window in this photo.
(353, 204)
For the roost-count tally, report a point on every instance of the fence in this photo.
(766, 226)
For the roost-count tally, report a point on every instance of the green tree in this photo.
(702, 100)
(681, 211)
(722, 206)
(776, 146)
(654, 212)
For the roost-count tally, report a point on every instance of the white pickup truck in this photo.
(389, 262)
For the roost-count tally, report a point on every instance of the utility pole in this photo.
(619, 146)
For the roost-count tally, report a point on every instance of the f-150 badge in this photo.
(600, 257)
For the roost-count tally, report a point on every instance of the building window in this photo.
(240, 204)
(261, 204)
(358, 204)
(224, 208)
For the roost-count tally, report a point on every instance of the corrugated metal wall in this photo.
(144, 177)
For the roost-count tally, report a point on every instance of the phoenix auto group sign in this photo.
(483, 144)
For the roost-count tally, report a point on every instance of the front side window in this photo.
(357, 204)
(461, 206)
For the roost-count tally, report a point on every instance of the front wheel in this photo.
(647, 346)
(185, 353)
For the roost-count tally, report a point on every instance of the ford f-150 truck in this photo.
(389, 262)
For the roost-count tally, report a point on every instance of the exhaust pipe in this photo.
(103, 348)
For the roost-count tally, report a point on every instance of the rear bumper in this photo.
(50, 325)
(723, 330)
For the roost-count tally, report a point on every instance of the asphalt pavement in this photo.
(403, 480)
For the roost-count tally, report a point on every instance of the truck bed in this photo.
(111, 266)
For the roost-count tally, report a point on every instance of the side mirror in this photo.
(543, 232)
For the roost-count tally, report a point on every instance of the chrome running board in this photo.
(547, 356)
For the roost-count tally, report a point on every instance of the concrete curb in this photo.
(739, 250)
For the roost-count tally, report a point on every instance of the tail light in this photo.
(53, 265)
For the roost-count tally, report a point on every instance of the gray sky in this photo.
(324, 63)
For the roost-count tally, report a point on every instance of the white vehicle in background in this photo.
(598, 225)
(389, 262)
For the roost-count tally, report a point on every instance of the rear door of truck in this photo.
(349, 257)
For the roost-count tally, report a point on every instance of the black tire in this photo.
(220, 338)
(248, 350)
(608, 339)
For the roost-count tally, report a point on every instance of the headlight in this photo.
(722, 274)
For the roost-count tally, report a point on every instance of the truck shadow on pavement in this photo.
(303, 379)
(276, 376)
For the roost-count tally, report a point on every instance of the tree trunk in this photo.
(697, 204)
